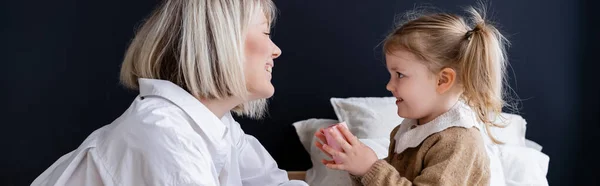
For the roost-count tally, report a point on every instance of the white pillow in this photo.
(497, 177)
(533, 145)
(522, 162)
(523, 165)
(514, 132)
(307, 128)
(368, 117)
(319, 175)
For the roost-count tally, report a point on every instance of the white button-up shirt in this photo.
(167, 137)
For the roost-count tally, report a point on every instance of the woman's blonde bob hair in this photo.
(198, 45)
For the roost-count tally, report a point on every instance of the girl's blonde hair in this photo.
(477, 53)
(198, 45)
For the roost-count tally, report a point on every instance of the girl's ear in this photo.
(446, 79)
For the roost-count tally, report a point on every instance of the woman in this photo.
(193, 62)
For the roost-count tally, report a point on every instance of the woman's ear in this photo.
(446, 79)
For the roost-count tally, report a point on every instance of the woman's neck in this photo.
(220, 107)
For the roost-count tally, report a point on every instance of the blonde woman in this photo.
(193, 63)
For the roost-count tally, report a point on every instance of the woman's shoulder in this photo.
(152, 136)
(153, 112)
(141, 140)
(148, 126)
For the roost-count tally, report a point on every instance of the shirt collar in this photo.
(411, 135)
(206, 120)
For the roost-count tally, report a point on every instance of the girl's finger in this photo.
(321, 135)
(331, 151)
(325, 162)
(320, 147)
(353, 140)
(341, 141)
(336, 166)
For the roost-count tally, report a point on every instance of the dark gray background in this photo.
(60, 63)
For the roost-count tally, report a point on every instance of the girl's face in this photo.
(413, 85)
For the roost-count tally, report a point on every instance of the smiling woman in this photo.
(171, 45)
(193, 62)
(260, 52)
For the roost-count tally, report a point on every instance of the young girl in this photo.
(447, 75)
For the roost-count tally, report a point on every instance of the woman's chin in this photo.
(269, 94)
(263, 93)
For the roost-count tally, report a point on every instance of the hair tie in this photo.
(469, 34)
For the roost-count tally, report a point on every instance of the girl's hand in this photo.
(356, 158)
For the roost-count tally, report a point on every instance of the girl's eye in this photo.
(400, 75)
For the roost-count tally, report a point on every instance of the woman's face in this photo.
(259, 54)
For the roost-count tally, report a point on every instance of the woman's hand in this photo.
(355, 157)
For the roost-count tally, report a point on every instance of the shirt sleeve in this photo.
(258, 168)
(357, 180)
(158, 161)
(165, 156)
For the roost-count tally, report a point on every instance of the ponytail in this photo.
(483, 65)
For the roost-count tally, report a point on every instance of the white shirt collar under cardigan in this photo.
(460, 115)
